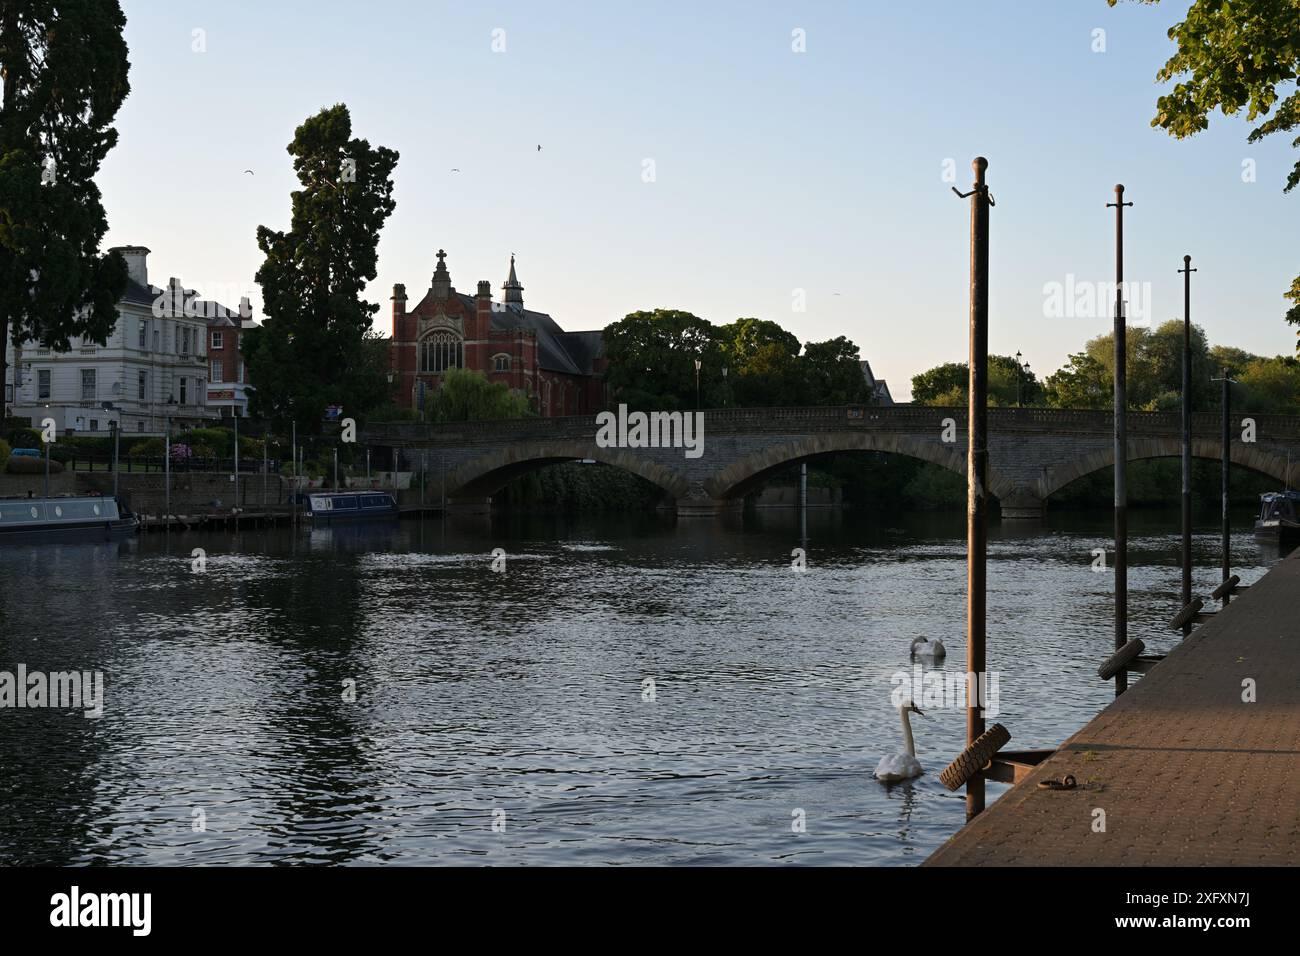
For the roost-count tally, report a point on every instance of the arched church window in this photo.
(441, 350)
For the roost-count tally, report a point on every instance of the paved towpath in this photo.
(1186, 772)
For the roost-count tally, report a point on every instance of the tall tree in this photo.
(311, 351)
(763, 363)
(652, 360)
(833, 374)
(64, 68)
(1242, 54)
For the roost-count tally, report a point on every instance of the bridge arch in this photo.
(485, 475)
(1263, 459)
(742, 475)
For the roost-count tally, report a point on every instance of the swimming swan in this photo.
(902, 766)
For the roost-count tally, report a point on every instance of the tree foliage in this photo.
(64, 67)
(652, 359)
(312, 350)
(949, 384)
(1234, 56)
(468, 396)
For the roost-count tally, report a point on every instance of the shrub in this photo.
(149, 448)
(219, 439)
(4, 452)
(31, 466)
(23, 438)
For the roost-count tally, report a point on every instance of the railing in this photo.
(911, 418)
(83, 461)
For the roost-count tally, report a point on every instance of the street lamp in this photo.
(1022, 369)
(724, 386)
(697, 384)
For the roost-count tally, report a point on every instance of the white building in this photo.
(152, 369)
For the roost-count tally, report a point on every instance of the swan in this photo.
(902, 766)
(924, 647)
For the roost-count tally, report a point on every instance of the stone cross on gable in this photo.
(441, 255)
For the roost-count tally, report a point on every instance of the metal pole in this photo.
(803, 501)
(367, 467)
(266, 437)
(48, 445)
(295, 474)
(117, 431)
(1187, 271)
(336, 467)
(1227, 458)
(977, 462)
(236, 417)
(423, 471)
(1121, 442)
(167, 473)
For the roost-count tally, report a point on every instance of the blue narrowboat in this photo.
(326, 507)
(89, 518)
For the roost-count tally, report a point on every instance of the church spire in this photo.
(514, 292)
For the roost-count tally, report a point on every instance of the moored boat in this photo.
(88, 518)
(1279, 517)
(326, 507)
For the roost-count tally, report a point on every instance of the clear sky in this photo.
(773, 170)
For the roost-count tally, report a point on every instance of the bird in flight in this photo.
(539, 147)
(249, 171)
(455, 170)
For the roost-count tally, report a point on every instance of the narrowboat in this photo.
(89, 518)
(327, 507)
(1279, 517)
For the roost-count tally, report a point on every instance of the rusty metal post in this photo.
(977, 463)
(1227, 460)
(1187, 271)
(1121, 442)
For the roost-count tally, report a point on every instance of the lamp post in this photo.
(697, 384)
(724, 386)
(47, 462)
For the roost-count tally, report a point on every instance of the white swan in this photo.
(924, 647)
(902, 766)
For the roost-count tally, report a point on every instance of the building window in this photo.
(215, 372)
(440, 351)
(185, 393)
(216, 342)
(87, 384)
(139, 426)
(501, 363)
(43, 383)
(94, 424)
(241, 370)
(142, 383)
(144, 333)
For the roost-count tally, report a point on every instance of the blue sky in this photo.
(774, 170)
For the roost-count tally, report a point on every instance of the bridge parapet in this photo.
(914, 419)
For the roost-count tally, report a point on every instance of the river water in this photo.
(625, 691)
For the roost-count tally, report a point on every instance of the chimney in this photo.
(483, 310)
(136, 265)
(399, 310)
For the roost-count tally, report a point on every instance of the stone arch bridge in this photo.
(1033, 452)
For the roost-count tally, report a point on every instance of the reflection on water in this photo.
(522, 697)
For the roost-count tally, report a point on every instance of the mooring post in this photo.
(977, 462)
(235, 417)
(803, 503)
(167, 474)
(1187, 271)
(1227, 459)
(1121, 442)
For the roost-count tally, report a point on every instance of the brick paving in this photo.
(1186, 772)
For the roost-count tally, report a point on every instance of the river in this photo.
(637, 690)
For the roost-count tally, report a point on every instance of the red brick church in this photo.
(562, 373)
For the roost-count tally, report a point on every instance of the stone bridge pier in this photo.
(1033, 452)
